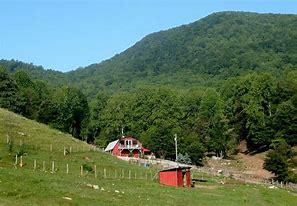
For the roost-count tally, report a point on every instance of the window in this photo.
(128, 142)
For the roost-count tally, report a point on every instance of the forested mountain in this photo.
(35, 72)
(201, 53)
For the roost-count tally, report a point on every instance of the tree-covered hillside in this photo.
(201, 53)
(35, 72)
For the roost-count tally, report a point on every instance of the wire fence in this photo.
(54, 167)
(70, 168)
(248, 178)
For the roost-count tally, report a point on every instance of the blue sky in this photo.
(66, 34)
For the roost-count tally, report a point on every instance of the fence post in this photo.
(43, 166)
(115, 173)
(21, 161)
(70, 149)
(95, 171)
(135, 175)
(16, 160)
(104, 173)
(67, 169)
(64, 151)
(129, 174)
(81, 170)
(51, 147)
(123, 174)
(34, 166)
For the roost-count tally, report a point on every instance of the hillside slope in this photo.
(203, 53)
(24, 185)
(216, 47)
(35, 72)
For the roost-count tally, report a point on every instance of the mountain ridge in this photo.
(205, 52)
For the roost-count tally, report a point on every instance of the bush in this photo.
(184, 158)
(87, 168)
(278, 161)
(22, 151)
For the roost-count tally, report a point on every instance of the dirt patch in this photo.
(254, 166)
(243, 167)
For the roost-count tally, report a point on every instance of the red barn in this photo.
(176, 176)
(126, 146)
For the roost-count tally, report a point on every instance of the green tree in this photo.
(285, 120)
(249, 100)
(9, 92)
(96, 123)
(29, 94)
(278, 161)
(73, 110)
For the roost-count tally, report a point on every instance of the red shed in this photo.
(176, 176)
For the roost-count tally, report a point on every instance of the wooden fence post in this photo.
(135, 175)
(51, 147)
(43, 166)
(95, 171)
(21, 161)
(67, 169)
(104, 173)
(34, 166)
(123, 174)
(16, 159)
(70, 149)
(64, 151)
(81, 170)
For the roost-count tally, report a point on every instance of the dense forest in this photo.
(228, 77)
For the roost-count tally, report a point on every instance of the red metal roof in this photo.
(175, 168)
(145, 150)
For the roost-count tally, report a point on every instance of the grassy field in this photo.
(37, 142)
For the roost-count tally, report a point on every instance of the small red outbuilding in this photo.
(176, 176)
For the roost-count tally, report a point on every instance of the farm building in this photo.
(176, 176)
(126, 146)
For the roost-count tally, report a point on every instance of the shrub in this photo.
(184, 158)
(278, 161)
(87, 168)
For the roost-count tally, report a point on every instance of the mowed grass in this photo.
(26, 186)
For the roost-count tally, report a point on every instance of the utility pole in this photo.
(175, 140)
(122, 131)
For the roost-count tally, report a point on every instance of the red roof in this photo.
(145, 150)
